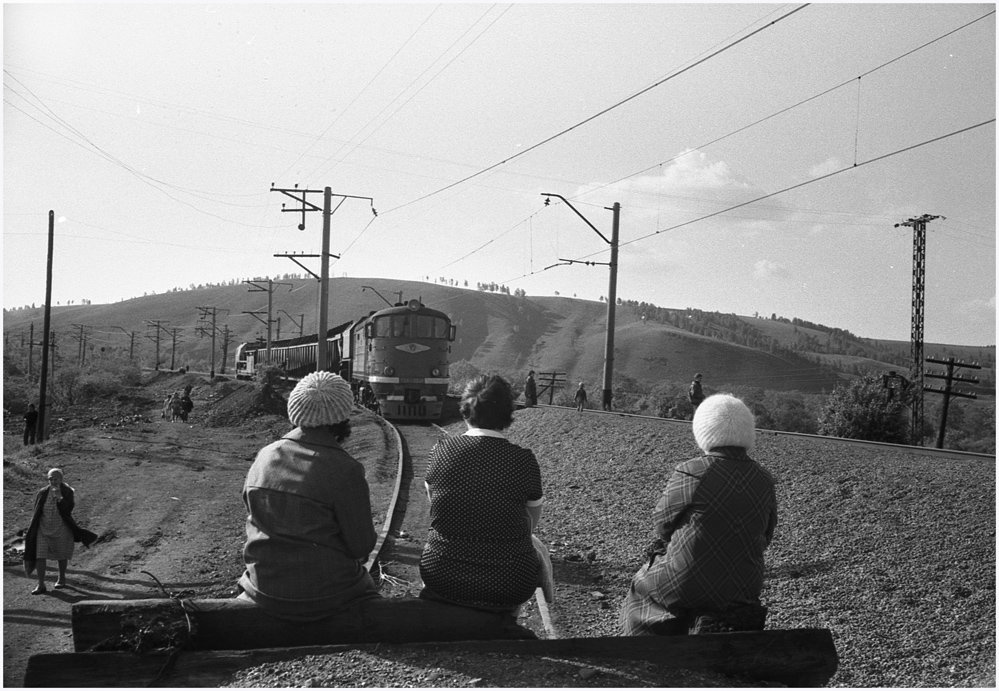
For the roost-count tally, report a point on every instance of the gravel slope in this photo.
(893, 552)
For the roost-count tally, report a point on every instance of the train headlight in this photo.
(435, 372)
(389, 371)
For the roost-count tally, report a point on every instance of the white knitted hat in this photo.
(724, 420)
(319, 399)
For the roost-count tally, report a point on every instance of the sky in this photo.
(761, 155)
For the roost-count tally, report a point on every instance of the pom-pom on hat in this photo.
(319, 399)
(724, 420)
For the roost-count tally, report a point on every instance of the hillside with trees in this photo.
(786, 366)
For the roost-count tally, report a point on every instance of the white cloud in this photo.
(764, 269)
(979, 309)
(695, 170)
(830, 165)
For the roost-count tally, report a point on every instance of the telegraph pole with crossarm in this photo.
(305, 206)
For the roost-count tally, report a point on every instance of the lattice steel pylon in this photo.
(918, 226)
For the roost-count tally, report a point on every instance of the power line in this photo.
(142, 177)
(800, 103)
(415, 80)
(753, 124)
(600, 113)
(816, 179)
(781, 191)
(361, 93)
(252, 142)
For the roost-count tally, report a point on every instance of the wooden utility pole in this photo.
(158, 325)
(555, 380)
(949, 377)
(205, 312)
(173, 347)
(81, 339)
(324, 273)
(257, 287)
(42, 412)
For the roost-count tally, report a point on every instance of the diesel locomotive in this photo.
(401, 353)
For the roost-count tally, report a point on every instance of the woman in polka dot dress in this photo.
(485, 501)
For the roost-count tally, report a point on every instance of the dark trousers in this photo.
(29, 434)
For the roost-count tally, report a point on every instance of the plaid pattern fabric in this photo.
(715, 519)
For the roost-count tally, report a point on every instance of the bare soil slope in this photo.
(164, 497)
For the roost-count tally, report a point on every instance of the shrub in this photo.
(461, 373)
(864, 409)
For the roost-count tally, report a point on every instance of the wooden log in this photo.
(233, 624)
(796, 657)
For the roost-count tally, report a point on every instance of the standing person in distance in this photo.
(580, 398)
(485, 502)
(186, 404)
(309, 528)
(695, 394)
(30, 422)
(713, 523)
(530, 391)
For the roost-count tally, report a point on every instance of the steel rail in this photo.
(544, 607)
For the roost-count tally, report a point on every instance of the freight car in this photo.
(400, 353)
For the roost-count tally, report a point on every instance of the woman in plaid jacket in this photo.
(713, 522)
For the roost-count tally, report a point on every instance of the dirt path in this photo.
(166, 499)
(164, 496)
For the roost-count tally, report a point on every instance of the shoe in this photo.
(60, 584)
(39, 590)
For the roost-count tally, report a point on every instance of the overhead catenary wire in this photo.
(780, 191)
(800, 103)
(817, 179)
(414, 81)
(606, 110)
(361, 92)
(152, 182)
(358, 144)
(759, 121)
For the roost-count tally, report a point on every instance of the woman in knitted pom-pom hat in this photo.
(713, 523)
(309, 528)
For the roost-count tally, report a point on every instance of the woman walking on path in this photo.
(53, 531)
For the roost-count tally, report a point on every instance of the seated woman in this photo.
(309, 528)
(714, 521)
(485, 501)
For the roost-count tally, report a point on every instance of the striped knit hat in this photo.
(724, 420)
(319, 399)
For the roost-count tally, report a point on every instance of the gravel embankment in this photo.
(891, 551)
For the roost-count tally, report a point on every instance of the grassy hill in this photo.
(496, 332)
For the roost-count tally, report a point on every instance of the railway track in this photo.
(395, 560)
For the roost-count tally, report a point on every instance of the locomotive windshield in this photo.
(411, 326)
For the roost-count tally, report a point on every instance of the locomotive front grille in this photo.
(400, 410)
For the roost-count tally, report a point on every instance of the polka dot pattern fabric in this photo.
(479, 551)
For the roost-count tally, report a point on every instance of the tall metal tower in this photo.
(918, 226)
